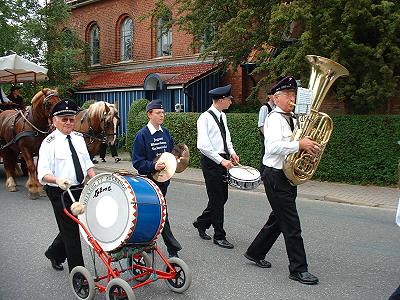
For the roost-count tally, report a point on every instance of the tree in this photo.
(362, 35)
(38, 33)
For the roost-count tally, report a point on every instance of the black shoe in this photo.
(103, 160)
(117, 159)
(202, 232)
(304, 277)
(95, 161)
(262, 263)
(56, 266)
(223, 244)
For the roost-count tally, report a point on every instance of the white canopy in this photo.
(14, 69)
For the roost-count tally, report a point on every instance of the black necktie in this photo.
(223, 132)
(75, 159)
(291, 124)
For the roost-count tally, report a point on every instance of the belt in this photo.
(274, 169)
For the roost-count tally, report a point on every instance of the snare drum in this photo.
(244, 178)
(122, 210)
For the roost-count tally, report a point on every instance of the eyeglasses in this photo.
(66, 119)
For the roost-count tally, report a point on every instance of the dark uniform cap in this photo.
(220, 92)
(65, 108)
(154, 104)
(287, 83)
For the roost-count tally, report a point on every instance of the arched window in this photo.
(94, 42)
(164, 37)
(126, 39)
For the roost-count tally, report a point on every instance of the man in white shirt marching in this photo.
(64, 162)
(280, 193)
(217, 154)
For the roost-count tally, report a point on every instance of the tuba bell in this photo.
(301, 166)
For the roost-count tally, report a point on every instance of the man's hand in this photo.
(63, 183)
(160, 165)
(235, 158)
(227, 164)
(309, 145)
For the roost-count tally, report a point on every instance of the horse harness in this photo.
(92, 134)
(25, 115)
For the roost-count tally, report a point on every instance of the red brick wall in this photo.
(108, 15)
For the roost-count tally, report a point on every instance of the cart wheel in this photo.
(82, 283)
(119, 289)
(183, 277)
(141, 259)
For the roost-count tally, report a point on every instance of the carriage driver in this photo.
(64, 162)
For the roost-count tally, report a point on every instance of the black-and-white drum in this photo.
(244, 177)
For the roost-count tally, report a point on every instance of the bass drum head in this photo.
(110, 210)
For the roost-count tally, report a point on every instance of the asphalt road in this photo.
(353, 250)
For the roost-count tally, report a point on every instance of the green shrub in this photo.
(135, 121)
(362, 149)
(87, 103)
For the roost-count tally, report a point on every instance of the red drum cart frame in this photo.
(136, 248)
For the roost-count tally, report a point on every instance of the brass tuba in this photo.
(301, 166)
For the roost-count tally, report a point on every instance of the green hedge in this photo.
(362, 149)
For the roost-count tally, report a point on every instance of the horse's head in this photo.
(104, 116)
(44, 101)
(111, 122)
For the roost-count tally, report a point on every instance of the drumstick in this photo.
(246, 168)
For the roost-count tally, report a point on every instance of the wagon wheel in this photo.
(142, 259)
(183, 278)
(119, 289)
(82, 283)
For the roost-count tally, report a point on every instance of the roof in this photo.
(172, 75)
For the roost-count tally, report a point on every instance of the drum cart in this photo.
(140, 269)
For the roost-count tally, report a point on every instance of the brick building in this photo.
(133, 58)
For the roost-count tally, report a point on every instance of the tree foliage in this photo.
(37, 33)
(362, 35)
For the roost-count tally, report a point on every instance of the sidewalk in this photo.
(373, 196)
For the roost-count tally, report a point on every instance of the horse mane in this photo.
(97, 109)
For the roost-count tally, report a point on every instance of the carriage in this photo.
(124, 215)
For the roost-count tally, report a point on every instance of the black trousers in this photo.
(67, 244)
(170, 241)
(217, 191)
(283, 219)
(103, 149)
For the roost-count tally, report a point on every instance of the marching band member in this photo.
(214, 143)
(280, 193)
(151, 141)
(63, 163)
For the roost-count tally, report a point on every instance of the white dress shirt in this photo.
(209, 138)
(277, 142)
(55, 157)
(262, 115)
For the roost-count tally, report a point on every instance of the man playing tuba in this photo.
(280, 192)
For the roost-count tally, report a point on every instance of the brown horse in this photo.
(23, 132)
(97, 124)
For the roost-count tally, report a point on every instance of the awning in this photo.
(14, 69)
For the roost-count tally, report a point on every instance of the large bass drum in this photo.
(122, 210)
